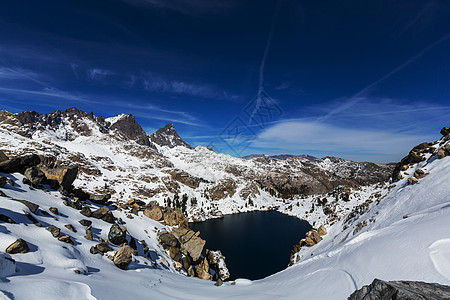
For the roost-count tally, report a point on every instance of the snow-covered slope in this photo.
(389, 230)
(406, 237)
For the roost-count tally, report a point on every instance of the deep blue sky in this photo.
(363, 80)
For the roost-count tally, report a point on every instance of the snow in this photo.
(406, 234)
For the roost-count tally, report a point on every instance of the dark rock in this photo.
(85, 222)
(104, 214)
(74, 204)
(6, 219)
(32, 219)
(66, 239)
(94, 250)
(2, 181)
(186, 262)
(168, 240)
(54, 210)
(70, 227)
(10, 181)
(130, 129)
(401, 290)
(116, 235)
(86, 211)
(219, 282)
(3, 156)
(2, 194)
(445, 131)
(175, 253)
(169, 137)
(104, 247)
(99, 199)
(19, 164)
(31, 206)
(19, 246)
(89, 235)
(64, 176)
(35, 175)
(132, 243)
(55, 231)
(123, 257)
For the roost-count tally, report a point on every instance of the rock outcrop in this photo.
(123, 257)
(19, 246)
(116, 235)
(19, 164)
(401, 290)
(64, 176)
(168, 136)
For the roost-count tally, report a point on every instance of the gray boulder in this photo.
(116, 235)
(401, 290)
(19, 164)
(35, 175)
(123, 257)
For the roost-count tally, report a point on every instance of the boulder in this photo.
(186, 262)
(19, 164)
(35, 176)
(70, 227)
(104, 214)
(30, 205)
(89, 235)
(312, 238)
(322, 230)
(442, 153)
(413, 180)
(54, 210)
(86, 211)
(65, 176)
(123, 257)
(445, 131)
(19, 246)
(3, 180)
(154, 212)
(175, 218)
(103, 247)
(401, 290)
(85, 222)
(116, 235)
(6, 219)
(66, 239)
(3, 156)
(99, 199)
(174, 253)
(168, 240)
(217, 263)
(55, 231)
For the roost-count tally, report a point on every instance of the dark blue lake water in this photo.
(255, 244)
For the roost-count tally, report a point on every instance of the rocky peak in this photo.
(168, 136)
(130, 128)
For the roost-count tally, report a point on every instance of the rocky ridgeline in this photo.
(184, 246)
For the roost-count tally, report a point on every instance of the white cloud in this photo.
(98, 74)
(158, 84)
(311, 137)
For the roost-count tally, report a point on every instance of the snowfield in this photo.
(390, 231)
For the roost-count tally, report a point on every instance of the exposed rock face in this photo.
(416, 155)
(217, 263)
(312, 238)
(191, 244)
(19, 164)
(99, 199)
(175, 217)
(64, 176)
(401, 290)
(116, 235)
(123, 257)
(131, 129)
(169, 137)
(3, 156)
(35, 175)
(154, 212)
(168, 240)
(104, 214)
(19, 246)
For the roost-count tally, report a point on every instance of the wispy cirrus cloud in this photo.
(98, 74)
(156, 83)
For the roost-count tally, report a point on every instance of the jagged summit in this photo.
(72, 123)
(168, 136)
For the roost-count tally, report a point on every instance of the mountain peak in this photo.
(168, 136)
